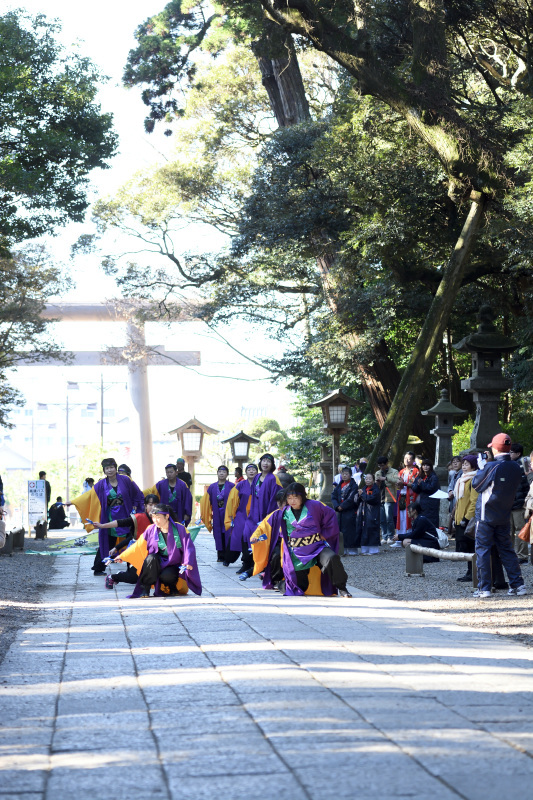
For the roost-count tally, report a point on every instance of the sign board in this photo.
(36, 502)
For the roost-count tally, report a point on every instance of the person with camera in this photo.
(496, 485)
(387, 480)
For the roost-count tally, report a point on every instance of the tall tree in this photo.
(52, 131)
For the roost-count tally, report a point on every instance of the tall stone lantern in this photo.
(444, 412)
(487, 383)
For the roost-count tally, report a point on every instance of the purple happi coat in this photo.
(320, 520)
(132, 500)
(186, 554)
(241, 515)
(263, 503)
(182, 503)
(219, 513)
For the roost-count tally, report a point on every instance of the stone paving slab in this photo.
(243, 693)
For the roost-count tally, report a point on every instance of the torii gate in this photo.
(141, 439)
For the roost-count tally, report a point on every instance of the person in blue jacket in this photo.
(496, 485)
(426, 484)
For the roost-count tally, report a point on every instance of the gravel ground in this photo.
(23, 579)
(439, 591)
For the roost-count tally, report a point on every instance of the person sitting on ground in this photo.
(137, 524)
(424, 485)
(464, 510)
(368, 513)
(57, 517)
(422, 532)
(310, 535)
(164, 556)
(344, 499)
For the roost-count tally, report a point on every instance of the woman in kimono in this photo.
(237, 509)
(424, 485)
(310, 537)
(264, 489)
(368, 517)
(213, 510)
(344, 499)
(164, 556)
(137, 524)
(111, 498)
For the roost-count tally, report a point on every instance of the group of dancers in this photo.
(292, 542)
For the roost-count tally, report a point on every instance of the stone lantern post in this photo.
(487, 383)
(443, 412)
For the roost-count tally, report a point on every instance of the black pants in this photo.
(463, 544)
(331, 565)
(276, 570)
(226, 554)
(130, 576)
(151, 572)
(247, 557)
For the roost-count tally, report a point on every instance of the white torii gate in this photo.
(141, 429)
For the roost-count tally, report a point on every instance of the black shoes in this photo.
(344, 593)
(465, 579)
(241, 569)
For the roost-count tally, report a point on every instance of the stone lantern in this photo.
(487, 383)
(443, 412)
(335, 408)
(191, 436)
(240, 447)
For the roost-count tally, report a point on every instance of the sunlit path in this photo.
(247, 694)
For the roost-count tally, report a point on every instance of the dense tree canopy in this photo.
(370, 231)
(52, 132)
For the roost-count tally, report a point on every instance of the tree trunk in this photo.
(281, 76)
(406, 403)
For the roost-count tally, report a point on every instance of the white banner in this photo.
(36, 502)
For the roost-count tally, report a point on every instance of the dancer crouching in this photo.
(164, 556)
(310, 534)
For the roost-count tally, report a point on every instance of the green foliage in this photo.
(461, 440)
(258, 427)
(52, 132)
(27, 281)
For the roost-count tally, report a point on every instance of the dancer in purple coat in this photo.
(265, 487)
(164, 555)
(117, 496)
(237, 509)
(176, 494)
(213, 510)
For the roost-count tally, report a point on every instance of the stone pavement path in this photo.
(244, 694)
